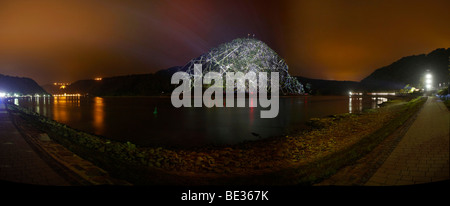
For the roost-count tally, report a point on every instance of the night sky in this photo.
(64, 41)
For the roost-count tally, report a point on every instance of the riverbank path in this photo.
(19, 163)
(422, 156)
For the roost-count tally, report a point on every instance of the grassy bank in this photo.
(447, 103)
(303, 158)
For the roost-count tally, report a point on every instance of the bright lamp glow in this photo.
(428, 81)
(2, 94)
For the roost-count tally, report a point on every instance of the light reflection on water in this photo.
(99, 115)
(134, 119)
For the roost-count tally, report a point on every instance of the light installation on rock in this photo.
(246, 55)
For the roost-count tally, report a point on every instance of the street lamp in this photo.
(428, 81)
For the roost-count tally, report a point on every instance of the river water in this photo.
(153, 121)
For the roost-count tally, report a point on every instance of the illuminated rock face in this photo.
(246, 55)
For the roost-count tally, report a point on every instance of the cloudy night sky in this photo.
(64, 41)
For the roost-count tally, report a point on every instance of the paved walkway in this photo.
(422, 156)
(19, 163)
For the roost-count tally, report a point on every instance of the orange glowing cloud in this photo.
(327, 39)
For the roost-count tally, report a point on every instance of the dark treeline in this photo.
(408, 70)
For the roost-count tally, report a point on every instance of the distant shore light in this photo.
(61, 84)
(98, 79)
